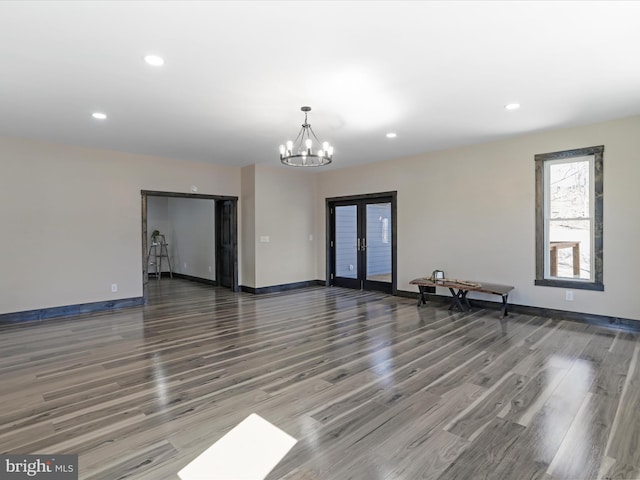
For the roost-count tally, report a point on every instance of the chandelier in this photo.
(300, 153)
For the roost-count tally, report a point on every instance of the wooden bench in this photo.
(459, 290)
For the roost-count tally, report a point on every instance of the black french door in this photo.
(362, 246)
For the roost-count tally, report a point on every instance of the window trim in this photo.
(540, 159)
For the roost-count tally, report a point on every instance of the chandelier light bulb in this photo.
(325, 146)
(308, 143)
(289, 145)
(281, 149)
(320, 153)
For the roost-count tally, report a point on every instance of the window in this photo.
(569, 219)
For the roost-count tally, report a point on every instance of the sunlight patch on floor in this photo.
(249, 451)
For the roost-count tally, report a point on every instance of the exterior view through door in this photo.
(362, 242)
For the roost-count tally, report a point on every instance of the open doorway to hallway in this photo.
(201, 233)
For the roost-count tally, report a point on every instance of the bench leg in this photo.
(455, 299)
(422, 297)
(466, 300)
(505, 311)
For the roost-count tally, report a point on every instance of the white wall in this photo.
(248, 212)
(470, 212)
(71, 219)
(192, 233)
(285, 213)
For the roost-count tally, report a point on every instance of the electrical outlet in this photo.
(185, 265)
(209, 268)
(568, 295)
(310, 237)
(114, 287)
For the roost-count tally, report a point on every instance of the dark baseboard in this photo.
(69, 310)
(152, 276)
(283, 287)
(590, 318)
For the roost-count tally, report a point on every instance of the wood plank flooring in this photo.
(372, 387)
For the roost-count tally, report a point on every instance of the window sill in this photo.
(573, 284)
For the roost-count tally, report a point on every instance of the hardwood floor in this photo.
(372, 387)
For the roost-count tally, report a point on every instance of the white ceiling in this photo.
(237, 73)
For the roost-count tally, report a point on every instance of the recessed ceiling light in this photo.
(392, 135)
(99, 115)
(512, 106)
(154, 60)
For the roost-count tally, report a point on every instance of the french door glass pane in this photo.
(378, 242)
(347, 241)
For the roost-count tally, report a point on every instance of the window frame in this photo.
(596, 198)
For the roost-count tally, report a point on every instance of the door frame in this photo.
(218, 226)
(394, 232)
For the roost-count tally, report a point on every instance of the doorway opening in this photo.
(224, 245)
(361, 242)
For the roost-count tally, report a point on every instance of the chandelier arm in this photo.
(302, 140)
(314, 135)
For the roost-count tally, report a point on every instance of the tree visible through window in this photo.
(569, 218)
